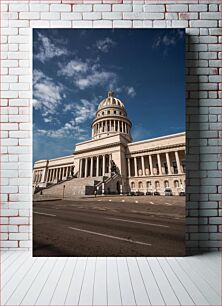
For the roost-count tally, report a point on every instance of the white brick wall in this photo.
(203, 77)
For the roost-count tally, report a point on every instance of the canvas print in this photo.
(108, 142)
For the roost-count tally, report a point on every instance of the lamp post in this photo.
(63, 191)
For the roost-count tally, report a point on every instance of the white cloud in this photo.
(96, 78)
(46, 93)
(47, 49)
(165, 40)
(87, 74)
(74, 67)
(69, 130)
(130, 91)
(105, 44)
(82, 111)
(168, 39)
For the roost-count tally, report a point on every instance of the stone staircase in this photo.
(109, 184)
(80, 186)
(72, 187)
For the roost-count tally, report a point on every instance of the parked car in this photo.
(149, 193)
(156, 193)
(139, 193)
(168, 192)
(182, 193)
(131, 193)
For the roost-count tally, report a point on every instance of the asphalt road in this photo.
(110, 226)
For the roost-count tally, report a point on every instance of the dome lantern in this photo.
(111, 118)
(110, 93)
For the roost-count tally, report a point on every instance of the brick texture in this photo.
(201, 18)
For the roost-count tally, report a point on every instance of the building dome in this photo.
(111, 118)
(110, 101)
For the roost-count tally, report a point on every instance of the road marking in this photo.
(131, 221)
(39, 213)
(123, 200)
(110, 236)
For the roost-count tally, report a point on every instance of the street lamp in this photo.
(63, 192)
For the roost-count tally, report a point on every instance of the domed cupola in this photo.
(111, 118)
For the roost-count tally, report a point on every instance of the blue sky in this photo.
(73, 70)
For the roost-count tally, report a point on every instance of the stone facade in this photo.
(117, 164)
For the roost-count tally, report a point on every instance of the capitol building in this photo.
(111, 163)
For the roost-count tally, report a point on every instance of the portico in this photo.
(94, 166)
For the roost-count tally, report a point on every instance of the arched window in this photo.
(108, 112)
(148, 184)
(102, 113)
(157, 184)
(140, 185)
(120, 113)
(132, 185)
(176, 183)
(166, 184)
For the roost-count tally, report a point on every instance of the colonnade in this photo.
(53, 174)
(156, 164)
(37, 176)
(111, 126)
(94, 166)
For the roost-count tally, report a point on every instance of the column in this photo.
(110, 158)
(178, 162)
(159, 164)
(128, 162)
(97, 165)
(66, 172)
(104, 160)
(91, 167)
(168, 163)
(118, 126)
(143, 165)
(86, 166)
(47, 176)
(80, 168)
(151, 164)
(135, 166)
